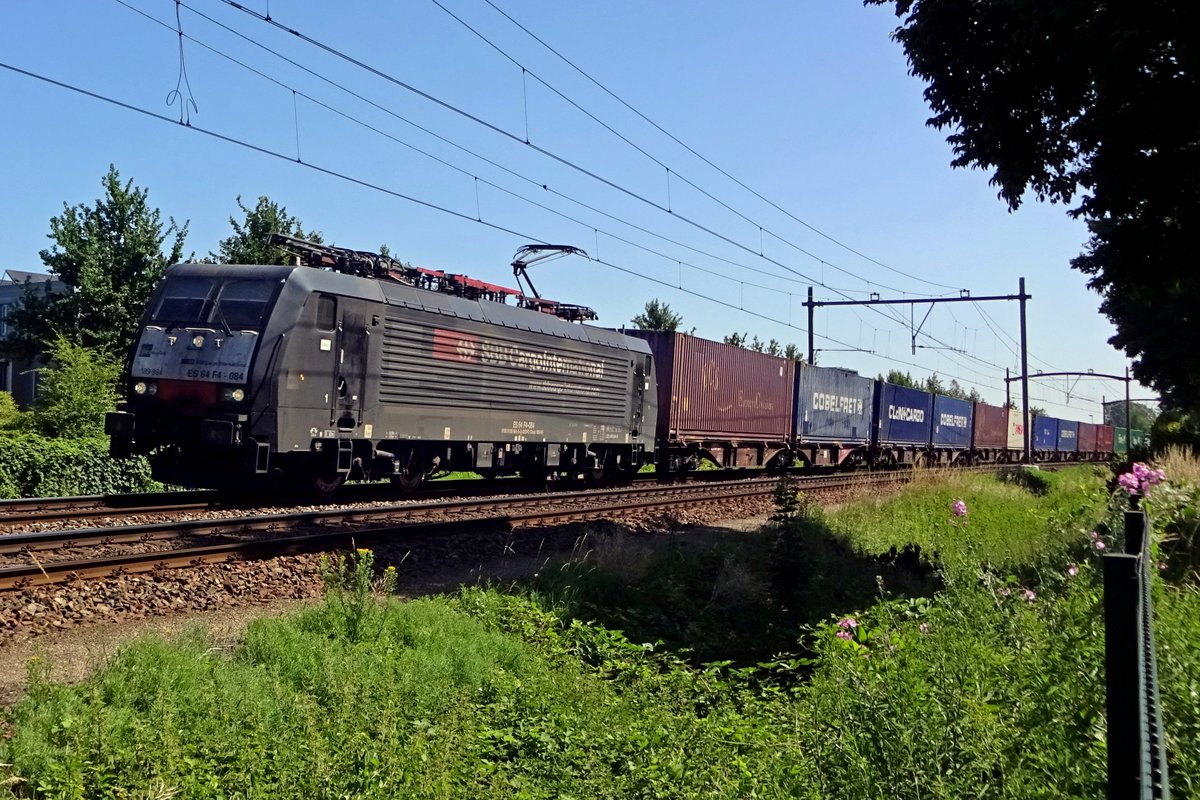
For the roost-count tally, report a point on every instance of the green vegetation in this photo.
(34, 466)
(109, 255)
(76, 391)
(973, 673)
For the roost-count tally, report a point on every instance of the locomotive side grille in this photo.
(497, 370)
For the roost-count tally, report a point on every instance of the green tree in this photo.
(248, 244)
(737, 339)
(11, 417)
(658, 316)
(934, 385)
(1140, 417)
(76, 390)
(1090, 102)
(900, 379)
(792, 353)
(109, 255)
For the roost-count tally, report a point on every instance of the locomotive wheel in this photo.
(408, 480)
(325, 484)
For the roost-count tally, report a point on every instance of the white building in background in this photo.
(20, 378)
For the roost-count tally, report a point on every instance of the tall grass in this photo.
(847, 669)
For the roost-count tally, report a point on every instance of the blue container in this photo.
(1045, 433)
(902, 415)
(832, 406)
(952, 422)
(1068, 436)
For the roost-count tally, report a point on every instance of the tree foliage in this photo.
(1091, 102)
(658, 316)
(109, 255)
(248, 243)
(76, 390)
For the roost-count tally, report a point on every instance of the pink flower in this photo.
(843, 635)
(1028, 596)
(1099, 544)
(1162, 566)
(959, 508)
(1129, 482)
(847, 622)
(1094, 535)
(1004, 591)
(923, 627)
(1073, 570)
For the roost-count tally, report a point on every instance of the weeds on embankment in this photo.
(945, 643)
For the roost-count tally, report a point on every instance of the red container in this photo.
(1088, 433)
(1105, 436)
(990, 428)
(714, 390)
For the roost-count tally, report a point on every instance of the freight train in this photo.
(349, 365)
(738, 407)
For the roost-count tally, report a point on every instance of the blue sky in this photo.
(809, 104)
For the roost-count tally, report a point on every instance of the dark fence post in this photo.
(1137, 764)
(1121, 661)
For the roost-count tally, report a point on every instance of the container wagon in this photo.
(1045, 438)
(989, 434)
(1089, 434)
(1016, 436)
(1068, 440)
(903, 418)
(950, 431)
(721, 402)
(833, 415)
(1106, 441)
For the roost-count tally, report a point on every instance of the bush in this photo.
(76, 390)
(34, 466)
(11, 417)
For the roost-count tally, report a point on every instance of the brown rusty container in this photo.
(990, 428)
(1105, 438)
(713, 390)
(1088, 436)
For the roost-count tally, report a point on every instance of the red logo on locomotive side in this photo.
(455, 346)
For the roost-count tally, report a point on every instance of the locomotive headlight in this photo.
(235, 394)
(144, 388)
(140, 387)
(198, 341)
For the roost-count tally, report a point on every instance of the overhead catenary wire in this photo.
(566, 162)
(339, 54)
(703, 158)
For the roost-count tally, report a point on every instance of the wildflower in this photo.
(1073, 570)
(847, 622)
(923, 627)
(362, 551)
(1162, 566)
(1140, 478)
(1004, 591)
(1099, 544)
(844, 635)
(1028, 596)
(1094, 535)
(959, 508)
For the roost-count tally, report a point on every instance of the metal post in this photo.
(1007, 389)
(1025, 377)
(1128, 415)
(810, 326)
(1123, 697)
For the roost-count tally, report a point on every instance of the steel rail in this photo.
(514, 513)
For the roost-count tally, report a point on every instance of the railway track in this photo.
(38, 558)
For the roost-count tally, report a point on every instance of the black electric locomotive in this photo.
(373, 369)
